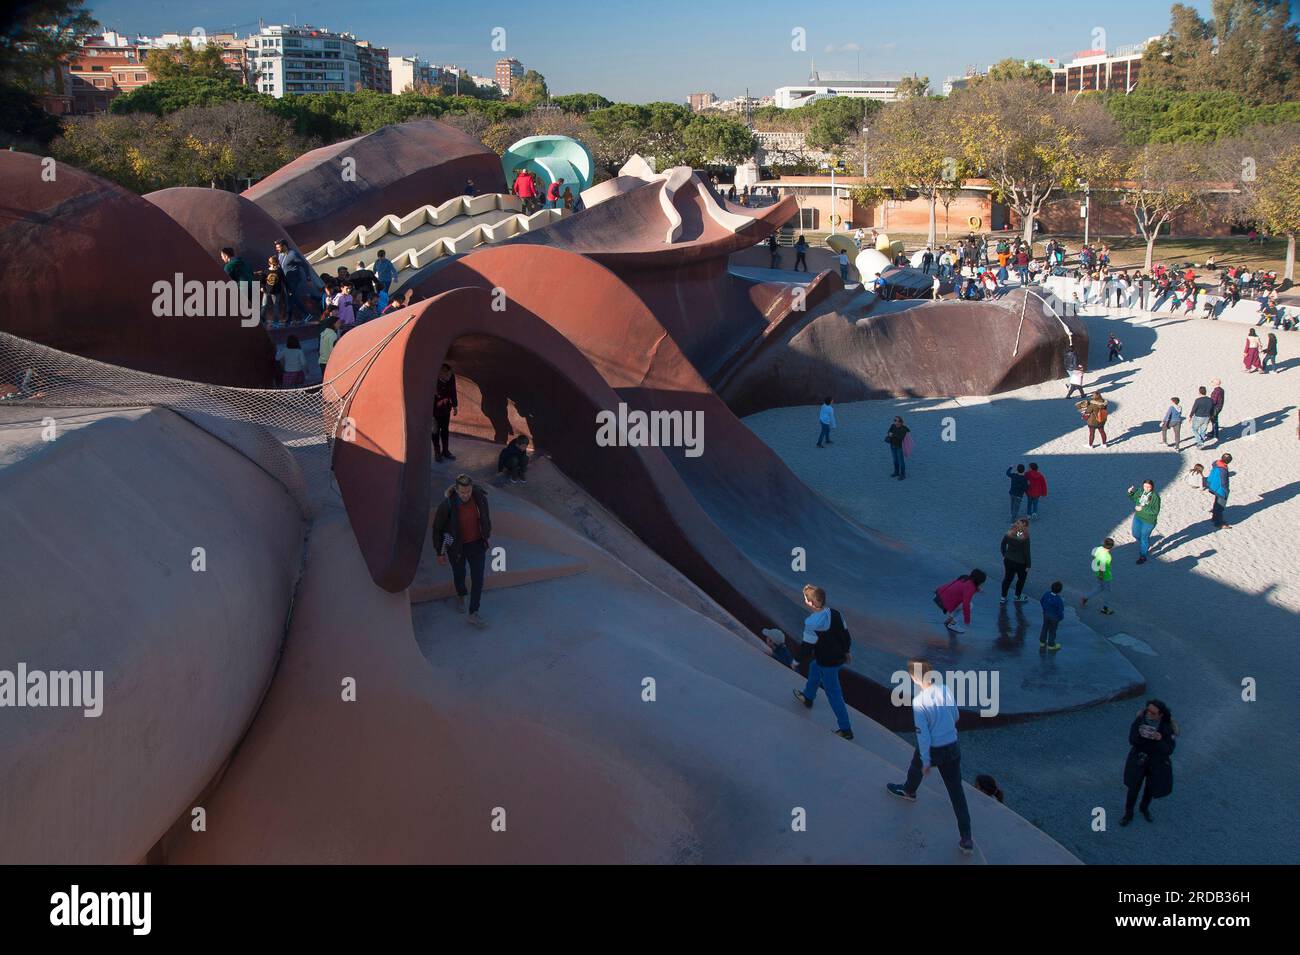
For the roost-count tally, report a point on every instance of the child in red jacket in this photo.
(958, 593)
(1036, 490)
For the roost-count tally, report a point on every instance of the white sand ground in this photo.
(1211, 610)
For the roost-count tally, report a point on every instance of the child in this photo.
(295, 363)
(958, 593)
(1173, 419)
(1101, 558)
(1116, 349)
(827, 419)
(988, 786)
(342, 303)
(1036, 490)
(1053, 614)
(775, 641)
(1196, 477)
(514, 460)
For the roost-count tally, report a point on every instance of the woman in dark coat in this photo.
(1152, 737)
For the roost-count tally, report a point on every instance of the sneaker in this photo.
(966, 846)
(523, 480)
(1107, 611)
(449, 456)
(798, 695)
(1053, 646)
(1022, 599)
(1141, 560)
(476, 620)
(956, 627)
(460, 604)
(844, 734)
(1002, 600)
(898, 790)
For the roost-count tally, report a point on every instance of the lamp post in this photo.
(1086, 210)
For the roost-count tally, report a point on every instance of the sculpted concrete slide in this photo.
(83, 259)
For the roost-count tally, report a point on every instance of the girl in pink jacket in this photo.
(958, 593)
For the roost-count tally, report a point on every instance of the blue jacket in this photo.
(1218, 481)
(1053, 606)
(1019, 483)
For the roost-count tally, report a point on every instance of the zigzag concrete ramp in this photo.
(729, 519)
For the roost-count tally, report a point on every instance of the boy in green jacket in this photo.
(1146, 508)
(1101, 570)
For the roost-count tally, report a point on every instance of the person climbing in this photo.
(827, 418)
(1146, 509)
(513, 460)
(1015, 558)
(935, 715)
(1101, 558)
(959, 593)
(826, 645)
(1094, 414)
(1173, 420)
(445, 405)
(1053, 613)
(897, 437)
(462, 527)
(1035, 490)
(1152, 738)
(1019, 484)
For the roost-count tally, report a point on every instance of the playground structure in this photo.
(683, 554)
(552, 158)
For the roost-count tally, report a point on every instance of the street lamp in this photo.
(1086, 210)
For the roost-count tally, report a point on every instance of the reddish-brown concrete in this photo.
(857, 347)
(81, 256)
(396, 169)
(215, 219)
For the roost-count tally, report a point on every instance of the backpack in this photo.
(1102, 415)
(834, 642)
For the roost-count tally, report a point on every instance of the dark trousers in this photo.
(1214, 425)
(1094, 430)
(900, 460)
(1018, 571)
(1216, 510)
(1048, 633)
(442, 424)
(801, 259)
(474, 554)
(516, 466)
(1131, 800)
(1069, 392)
(946, 759)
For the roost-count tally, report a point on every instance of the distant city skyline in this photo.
(634, 52)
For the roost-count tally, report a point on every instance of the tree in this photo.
(168, 96)
(837, 121)
(910, 86)
(186, 60)
(1013, 69)
(529, 89)
(222, 145)
(913, 146)
(581, 103)
(1162, 181)
(43, 34)
(1277, 203)
(1180, 59)
(654, 130)
(1031, 144)
(714, 139)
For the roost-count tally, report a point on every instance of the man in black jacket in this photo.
(444, 406)
(462, 526)
(826, 641)
(514, 460)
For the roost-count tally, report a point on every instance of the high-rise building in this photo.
(700, 101)
(1099, 70)
(291, 60)
(373, 63)
(413, 73)
(508, 70)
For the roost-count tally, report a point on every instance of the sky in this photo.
(648, 50)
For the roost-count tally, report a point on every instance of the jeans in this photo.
(475, 554)
(1269, 359)
(825, 435)
(900, 462)
(1015, 505)
(1048, 633)
(1069, 392)
(1177, 428)
(1102, 589)
(946, 759)
(1031, 506)
(1198, 429)
(828, 678)
(1142, 532)
(1018, 571)
(1214, 425)
(844, 274)
(1216, 510)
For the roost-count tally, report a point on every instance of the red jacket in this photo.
(1037, 484)
(524, 187)
(956, 594)
(553, 191)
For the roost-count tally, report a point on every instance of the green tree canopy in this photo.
(186, 60)
(43, 33)
(581, 103)
(715, 139)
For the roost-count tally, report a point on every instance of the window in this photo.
(808, 220)
(141, 77)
